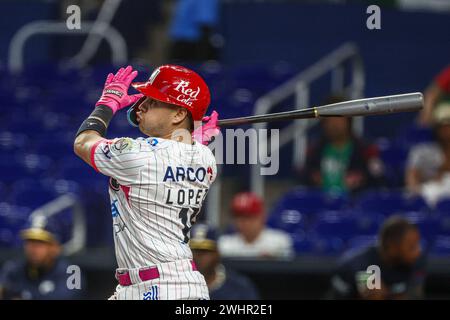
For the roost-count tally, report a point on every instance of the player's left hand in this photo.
(206, 133)
(115, 92)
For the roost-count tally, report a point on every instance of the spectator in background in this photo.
(223, 283)
(42, 274)
(253, 239)
(399, 258)
(437, 90)
(192, 30)
(339, 162)
(428, 165)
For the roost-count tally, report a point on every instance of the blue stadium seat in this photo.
(63, 186)
(288, 220)
(32, 198)
(334, 224)
(213, 73)
(26, 126)
(414, 203)
(17, 166)
(12, 215)
(306, 201)
(444, 222)
(258, 78)
(7, 237)
(326, 245)
(96, 75)
(298, 208)
(12, 141)
(282, 71)
(394, 157)
(4, 192)
(367, 223)
(75, 169)
(392, 153)
(359, 242)
(31, 193)
(427, 224)
(413, 135)
(335, 201)
(441, 246)
(37, 165)
(241, 102)
(443, 206)
(45, 138)
(29, 97)
(310, 201)
(302, 244)
(310, 243)
(389, 202)
(55, 122)
(55, 148)
(12, 170)
(12, 220)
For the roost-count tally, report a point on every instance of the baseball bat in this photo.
(408, 102)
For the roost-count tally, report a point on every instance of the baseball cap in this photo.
(41, 228)
(247, 204)
(441, 113)
(203, 237)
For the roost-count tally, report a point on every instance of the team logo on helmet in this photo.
(188, 94)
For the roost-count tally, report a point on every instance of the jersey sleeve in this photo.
(121, 158)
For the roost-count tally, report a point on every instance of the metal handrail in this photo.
(110, 34)
(78, 239)
(299, 86)
(332, 60)
(99, 30)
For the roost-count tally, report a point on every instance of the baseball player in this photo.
(158, 183)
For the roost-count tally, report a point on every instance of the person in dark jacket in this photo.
(42, 274)
(223, 283)
(392, 269)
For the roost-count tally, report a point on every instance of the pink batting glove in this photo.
(115, 92)
(208, 131)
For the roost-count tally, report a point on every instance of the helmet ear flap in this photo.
(131, 113)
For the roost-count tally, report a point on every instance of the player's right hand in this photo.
(115, 92)
(206, 133)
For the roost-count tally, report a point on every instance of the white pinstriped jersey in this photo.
(157, 188)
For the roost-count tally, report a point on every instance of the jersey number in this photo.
(184, 220)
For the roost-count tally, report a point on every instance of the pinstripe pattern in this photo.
(177, 282)
(148, 229)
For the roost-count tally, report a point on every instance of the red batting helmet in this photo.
(176, 85)
(247, 204)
